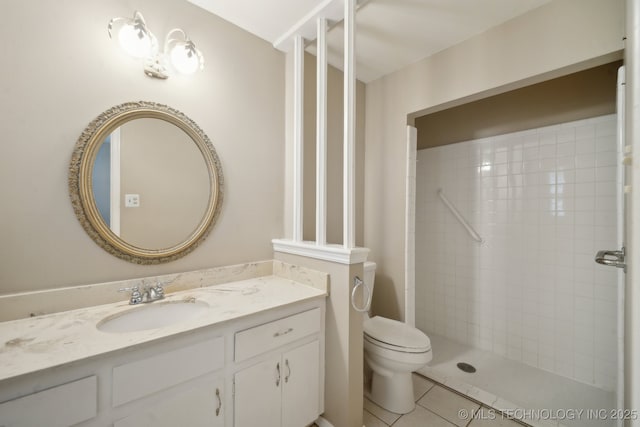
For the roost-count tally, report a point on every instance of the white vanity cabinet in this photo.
(279, 391)
(181, 385)
(283, 387)
(62, 405)
(257, 363)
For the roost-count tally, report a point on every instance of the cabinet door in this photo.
(59, 406)
(257, 394)
(301, 385)
(166, 369)
(198, 406)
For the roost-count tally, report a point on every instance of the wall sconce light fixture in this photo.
(179, 52)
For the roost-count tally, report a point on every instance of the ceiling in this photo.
(390, 34)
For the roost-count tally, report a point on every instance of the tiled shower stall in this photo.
(543, 201)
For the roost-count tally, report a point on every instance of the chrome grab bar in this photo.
(474, 235)
(611, 258)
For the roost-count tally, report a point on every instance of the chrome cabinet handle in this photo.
(286, 364)
(278, 374)
(285, 332)
(611, 258)
(219, 402)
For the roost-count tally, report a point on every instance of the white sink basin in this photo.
(152, 316)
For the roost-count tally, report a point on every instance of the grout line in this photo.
(383, 421)
(470, 399)
(439, 416)
(465, 397)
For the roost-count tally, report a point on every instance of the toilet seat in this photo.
(394, 356)
(394, 335)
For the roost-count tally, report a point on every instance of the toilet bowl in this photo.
(393, 350)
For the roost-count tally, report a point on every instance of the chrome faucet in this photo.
(154, 293)
(150, 293)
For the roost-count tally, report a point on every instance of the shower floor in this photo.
(509, 385)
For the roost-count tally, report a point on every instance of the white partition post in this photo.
(632, 136)
(321, 134)
(349, 185)
(410, 228)
(298, 136)
(343, 400)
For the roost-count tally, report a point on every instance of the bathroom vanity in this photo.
(252, 354)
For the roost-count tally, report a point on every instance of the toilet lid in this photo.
(397, 334)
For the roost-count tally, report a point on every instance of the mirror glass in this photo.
(145, 182)
(150, 183)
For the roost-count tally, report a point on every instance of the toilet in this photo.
(393, 350)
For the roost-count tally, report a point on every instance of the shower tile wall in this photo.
(544, 201)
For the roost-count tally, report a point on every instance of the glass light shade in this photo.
(185, 58)
(134, 37)
(135, 41)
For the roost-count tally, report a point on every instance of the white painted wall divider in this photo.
(298, 136)
(410, 228)
(331, 10)
(321, 133)
(349, 185)
(300, 33)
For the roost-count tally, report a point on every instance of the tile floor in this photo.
(438, 407)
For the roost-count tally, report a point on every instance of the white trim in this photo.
(632, 133)
(321, 134)
(410, 228)
(305, 27)
(349, 185)
(334, 253)
(322, 422)
(298, 136)
(620, 211)
(114, 186)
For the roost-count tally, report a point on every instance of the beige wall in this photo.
(64, 70)
(556, 39)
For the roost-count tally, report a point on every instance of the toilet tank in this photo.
(369, 274)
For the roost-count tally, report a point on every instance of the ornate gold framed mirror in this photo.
(145, 182)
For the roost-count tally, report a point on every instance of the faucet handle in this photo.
(155, 292)
(136, 296)
(160, 289)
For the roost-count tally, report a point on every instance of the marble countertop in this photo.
(33, 344)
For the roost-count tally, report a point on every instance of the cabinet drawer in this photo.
(63, 405)
(141, 378)
(260, 339)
